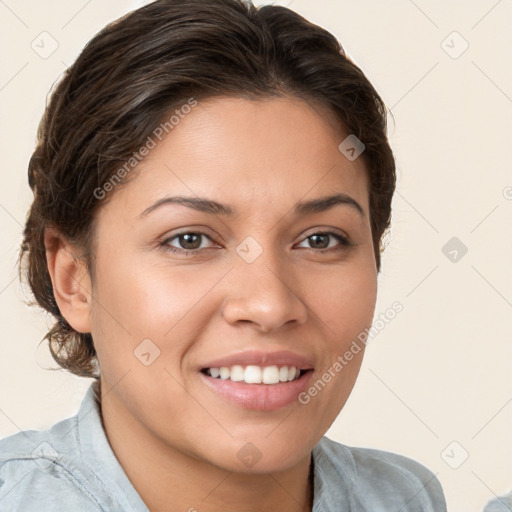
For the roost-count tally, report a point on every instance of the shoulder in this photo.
(379, 480)
(35, 472)
(501, 504)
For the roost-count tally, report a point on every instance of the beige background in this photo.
(441, 370)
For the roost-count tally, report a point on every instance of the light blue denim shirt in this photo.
(71, 467)
(501, 504)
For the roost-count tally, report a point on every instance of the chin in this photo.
(263, 452)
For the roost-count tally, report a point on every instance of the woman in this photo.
(212, 183)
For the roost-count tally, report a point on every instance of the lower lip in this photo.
(261, 397)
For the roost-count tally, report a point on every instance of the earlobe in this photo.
(70, 280)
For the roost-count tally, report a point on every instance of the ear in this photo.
(70, 280)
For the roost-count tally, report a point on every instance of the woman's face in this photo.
(243, 278)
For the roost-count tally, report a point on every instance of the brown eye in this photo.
(322, 241)
(189, 240)
(185, 243)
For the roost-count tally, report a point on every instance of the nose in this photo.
(260, 293)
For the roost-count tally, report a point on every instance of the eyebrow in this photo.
(302, 208)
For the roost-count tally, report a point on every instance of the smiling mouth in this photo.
(252, 374)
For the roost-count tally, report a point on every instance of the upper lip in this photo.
(260, 358)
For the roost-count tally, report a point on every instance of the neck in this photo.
(170, 480)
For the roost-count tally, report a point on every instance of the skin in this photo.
(176, 440)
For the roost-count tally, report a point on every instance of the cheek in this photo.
(136, 302)
(345, 302)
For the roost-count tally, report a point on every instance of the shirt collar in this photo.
(98, 455)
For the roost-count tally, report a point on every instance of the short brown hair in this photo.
(146, 64)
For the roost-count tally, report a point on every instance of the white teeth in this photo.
(256, 374)
(252, 375)
(270, 375)
(237, 373)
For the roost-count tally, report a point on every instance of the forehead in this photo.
(250, 154)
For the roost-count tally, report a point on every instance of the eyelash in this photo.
(344, 243)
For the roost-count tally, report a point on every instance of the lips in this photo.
(258, 380)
